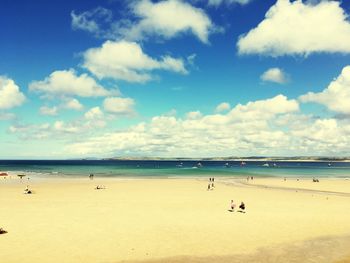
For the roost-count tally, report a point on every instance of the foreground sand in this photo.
(174, 220)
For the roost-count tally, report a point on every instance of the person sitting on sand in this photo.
(2, 231)
(100, 187)
(233, 206)
(242, 207)
(27, 191)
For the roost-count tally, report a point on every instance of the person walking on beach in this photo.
(242, 207)
(233, 206)
(208, 187)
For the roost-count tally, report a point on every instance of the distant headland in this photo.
(235, 158)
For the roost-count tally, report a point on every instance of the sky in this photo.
(174, 78)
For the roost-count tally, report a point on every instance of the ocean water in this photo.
(164, 169)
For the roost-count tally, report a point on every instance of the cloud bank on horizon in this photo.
(163, 78)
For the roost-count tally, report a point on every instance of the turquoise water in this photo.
(108, 168)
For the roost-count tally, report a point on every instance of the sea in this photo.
(169, 169)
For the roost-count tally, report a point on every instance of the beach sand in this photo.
(175, 220)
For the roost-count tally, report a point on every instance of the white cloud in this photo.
(72, 104)
(51, 111)
(94, 113)
(227, 2)
(90, 123)
(165, 19)
(235, 132)
(193, 115)
(274, 75)
(336, 97)
(168, 19)
(10, 94)
(225, 106)
(119, 106)
(127, 61)
(265, 109)
(272, 126)
(87, 20)
(297, 28)
(67, 82)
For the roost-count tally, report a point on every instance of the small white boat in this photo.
(266, 165)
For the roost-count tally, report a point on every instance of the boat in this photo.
(243, 163)
(266, 165)
(227, 165)
(199, 165)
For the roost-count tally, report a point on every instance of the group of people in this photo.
(250, 178)
(211, 185)
(241, 207)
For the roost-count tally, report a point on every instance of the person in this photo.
(27, 191)
(91, 176)
(212, 186)
(2, 231)
(233, 206)
(208, 187)
(242, 207)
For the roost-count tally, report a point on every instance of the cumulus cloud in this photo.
(10, 94)
(72, 104)
(275, 75)
(297, 28)
(273, 126)
(193, 115)
(165, 19)
(336, 97)
(68, 83)
(244, 129)
(225, 106)
(126, 61)
(119, 106)
(94, 113)
(90, 123)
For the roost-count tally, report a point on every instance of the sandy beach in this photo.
(175, 220)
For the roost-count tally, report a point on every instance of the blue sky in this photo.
(174, 78)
